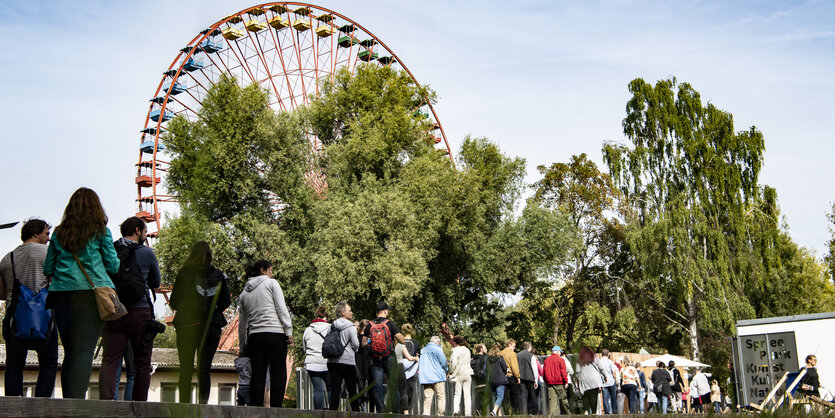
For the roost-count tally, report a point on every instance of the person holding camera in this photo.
(137, 327)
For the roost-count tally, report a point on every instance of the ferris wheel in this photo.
(289, 48)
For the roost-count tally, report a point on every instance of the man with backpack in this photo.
(21, 271)
(380, 334)
(138, 274)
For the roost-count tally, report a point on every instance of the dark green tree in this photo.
(395, 221)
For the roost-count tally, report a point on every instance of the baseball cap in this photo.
(556, 348)
(382, 306)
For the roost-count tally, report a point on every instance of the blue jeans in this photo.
(642, 394)
(610, 399)
(379, 369)
(130, 372)
(320, 388)
(498, 392)
(663, 401)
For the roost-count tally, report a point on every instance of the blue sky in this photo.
(544, 80)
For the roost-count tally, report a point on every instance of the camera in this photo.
(153, 328)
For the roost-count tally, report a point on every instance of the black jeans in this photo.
(16, 350)
(267, 350)
(79, 327)
(188, 342)
(529, 398)
(513, 396)
(339, 373)
(590, 401)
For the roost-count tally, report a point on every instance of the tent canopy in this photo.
(680, 361)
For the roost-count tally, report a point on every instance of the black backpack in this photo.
(129, 282)
(332, 346)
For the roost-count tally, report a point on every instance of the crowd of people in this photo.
(505, 381)
(375, 365)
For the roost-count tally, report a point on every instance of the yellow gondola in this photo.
(325, 30)
(301, 24)
(279, 23)
(255, 25)
(232, 33)
(304, 11)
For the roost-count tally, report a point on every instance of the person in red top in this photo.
(556, 378)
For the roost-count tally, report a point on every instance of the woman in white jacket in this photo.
(462, 372)
(315, 364)
(264, 331)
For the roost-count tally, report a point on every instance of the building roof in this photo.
(780, 319)
(161, 357)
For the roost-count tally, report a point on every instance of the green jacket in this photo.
(98, 257)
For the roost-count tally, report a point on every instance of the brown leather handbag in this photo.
(110, 307)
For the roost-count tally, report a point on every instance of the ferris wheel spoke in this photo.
(314, 45)
(242, 62)
(209, 56)
(260, 54)
(296, 42)
(280, 52)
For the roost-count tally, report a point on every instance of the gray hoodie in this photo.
(314, 336)
(262, 309)
(348, 336)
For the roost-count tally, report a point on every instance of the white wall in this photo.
(813, 337)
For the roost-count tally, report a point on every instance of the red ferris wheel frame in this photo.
(255, 67)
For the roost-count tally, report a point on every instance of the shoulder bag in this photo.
(110, 307)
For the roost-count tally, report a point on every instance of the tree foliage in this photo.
(397, 221)
(704, 234)
(577, 306)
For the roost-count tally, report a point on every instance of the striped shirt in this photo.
(28, 263)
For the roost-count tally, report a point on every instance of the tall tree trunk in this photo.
(694, 330)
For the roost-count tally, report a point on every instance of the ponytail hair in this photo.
(254, 269)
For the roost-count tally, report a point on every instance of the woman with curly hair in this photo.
(81, 246)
